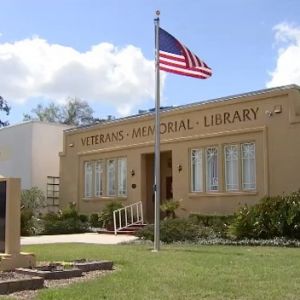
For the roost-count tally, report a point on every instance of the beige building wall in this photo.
(269, 118)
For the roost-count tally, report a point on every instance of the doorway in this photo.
(166, 181)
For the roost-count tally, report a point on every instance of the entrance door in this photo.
(169, 187)
(166, 190)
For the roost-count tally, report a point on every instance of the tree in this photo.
(52, 114)
(77, 112)
(74, 112)
(4, 107)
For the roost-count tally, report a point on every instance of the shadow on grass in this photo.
(200, 250)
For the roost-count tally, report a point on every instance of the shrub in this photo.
(277, 216)
(83, 218)
(169, 207)
(62, 226)
(70, 212)
(33, 199)
(26, 222)
(172, 230)
(218, 224)
(106, 215)
(32, 202)
(65, 221)
(94, 220)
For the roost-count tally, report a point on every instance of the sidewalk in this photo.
(87, 238)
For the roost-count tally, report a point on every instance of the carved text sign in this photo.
(170, 127)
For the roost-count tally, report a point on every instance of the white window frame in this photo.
(251, 158)
(197, 170)
(122, 177)
(212, 182)
(88, 179)
(99, 178)
(231, 164)
(111, 180)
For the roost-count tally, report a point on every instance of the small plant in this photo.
(169, 207)
(106, 215)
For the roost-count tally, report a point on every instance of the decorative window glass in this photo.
(231, 153)
(122, 177)
(248, 166)
(88, 179)
(196, 170)
(111, 177)
(99, 170)
(212, 169)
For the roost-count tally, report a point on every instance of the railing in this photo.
(127, 216)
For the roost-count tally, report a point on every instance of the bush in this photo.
(169, 207)
(32, 202)
(62, 226)
(83, 218)
(106, 215)
(26, 222)
(272, 217)
(218, 224)
(66, 221)
(94, 220)
(70, 212)
(33, 199)
(172, 230)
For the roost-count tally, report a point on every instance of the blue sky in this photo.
(47, 53)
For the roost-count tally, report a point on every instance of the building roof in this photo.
(198, 103)
(24, 123)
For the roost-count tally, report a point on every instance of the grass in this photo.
(180, 272)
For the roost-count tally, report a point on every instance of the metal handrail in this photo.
(136, 216)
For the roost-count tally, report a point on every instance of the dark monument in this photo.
(2, 215)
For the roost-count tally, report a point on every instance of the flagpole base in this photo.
(154, 251)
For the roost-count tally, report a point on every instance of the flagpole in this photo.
(157, 140)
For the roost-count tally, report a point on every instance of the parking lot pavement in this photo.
(87, 238)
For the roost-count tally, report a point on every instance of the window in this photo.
(111, 171)
(212, 169)
(231, 153)
(248, 166)
(88, 179)
(239, 168)
(99, 169)
(196, 170)
(111, 177)
(122, 177)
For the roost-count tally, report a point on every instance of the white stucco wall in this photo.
(47, 142)
(30, 151)
(16, 152)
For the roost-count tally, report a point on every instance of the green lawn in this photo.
(181, 272)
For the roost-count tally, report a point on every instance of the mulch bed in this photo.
(31, 294)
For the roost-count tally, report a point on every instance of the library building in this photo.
(216, 155)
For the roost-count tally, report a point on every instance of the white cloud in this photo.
(34, 68)
(287, 70)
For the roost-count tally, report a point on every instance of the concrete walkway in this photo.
(87, 238)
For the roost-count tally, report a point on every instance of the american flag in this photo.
(174, 57)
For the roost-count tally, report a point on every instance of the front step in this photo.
(131, 230)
